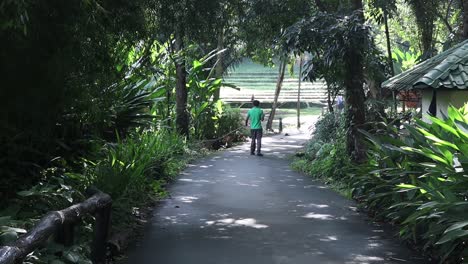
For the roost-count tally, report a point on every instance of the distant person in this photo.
(256, 117)
(339, 104)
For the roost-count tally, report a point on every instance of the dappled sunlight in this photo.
(313, 215)
(315, 186)
(373, 245)
(312, 205)
(329, 238)
(221, 214)
(186, 199)
(177, 219)
(172, 219)
(246, 184)
(195, 181)
(363, 259)
(232, 222)
(319, 216)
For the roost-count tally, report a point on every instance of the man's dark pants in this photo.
(256, 135)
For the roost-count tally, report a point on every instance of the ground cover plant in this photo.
(325, 155)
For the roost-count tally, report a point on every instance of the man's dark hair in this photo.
(256, 102)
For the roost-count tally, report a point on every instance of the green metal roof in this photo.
(448, 70)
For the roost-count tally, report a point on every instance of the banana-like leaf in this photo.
(452, 236)
(458, 225)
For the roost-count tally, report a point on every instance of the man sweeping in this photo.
(256, 117)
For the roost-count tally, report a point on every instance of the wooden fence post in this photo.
(61, 224)
(65, 234)
(280, 125)
(101, 231)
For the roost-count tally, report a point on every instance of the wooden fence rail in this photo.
(60, 223)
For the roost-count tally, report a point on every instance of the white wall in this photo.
(445, 98)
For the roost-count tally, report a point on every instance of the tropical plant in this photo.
(417, 179)
(129, 165)
(202, 86)
(339, 44)
(404, 60)
(325, 154)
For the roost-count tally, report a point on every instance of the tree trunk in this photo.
(331, 93)
(426, 40)
(299, 94)
(390, 57)
(424, 12)
(329, 100)
(279, 84)
(219, 69)
(182, 116)
(354, 95)
(465, 19)
(389, 46)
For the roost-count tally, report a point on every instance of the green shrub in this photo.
(417, 178)
(129, 165)
(325, 154)
(229, 119)
(133, 171)
(329, 127)
(326, 160)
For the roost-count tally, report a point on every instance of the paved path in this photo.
(233, 208)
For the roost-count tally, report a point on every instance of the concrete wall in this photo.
(445, 98)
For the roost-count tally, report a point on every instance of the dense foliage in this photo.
(112, 93)
(89, 91)
(414, 177)
(325, 155)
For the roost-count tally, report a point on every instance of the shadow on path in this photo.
(234, 208)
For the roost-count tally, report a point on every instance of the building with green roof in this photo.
(442, 80)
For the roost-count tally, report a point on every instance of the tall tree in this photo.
(185, 22)
(279, 84)
(341, 44)
(61, 59)
(228, 19)
(465, 18)
(425, 12)
(354, 92)
(182, 115)
(266, 21)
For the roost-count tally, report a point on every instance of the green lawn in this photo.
(314, 110)
(306, 111)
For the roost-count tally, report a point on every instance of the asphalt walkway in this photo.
(233, 208)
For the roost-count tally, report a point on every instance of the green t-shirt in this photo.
(255, 114)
